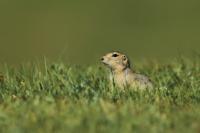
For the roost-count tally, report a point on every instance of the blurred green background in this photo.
(81, 31)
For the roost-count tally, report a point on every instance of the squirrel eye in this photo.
(115, 55)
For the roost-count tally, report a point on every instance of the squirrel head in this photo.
(116, 61)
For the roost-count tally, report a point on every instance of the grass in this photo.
(60, 98)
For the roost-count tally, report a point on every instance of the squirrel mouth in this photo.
(104, 62)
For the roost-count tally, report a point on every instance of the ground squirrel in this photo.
(121, 74)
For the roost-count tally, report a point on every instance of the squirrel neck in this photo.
(122, 70)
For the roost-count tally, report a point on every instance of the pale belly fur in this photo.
(131, 80)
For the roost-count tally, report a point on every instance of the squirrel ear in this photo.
(126, 61)
(124, 57)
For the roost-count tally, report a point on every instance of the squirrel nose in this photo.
(102, 58)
